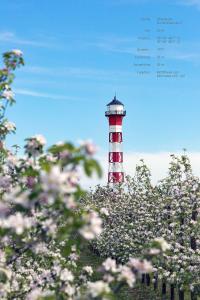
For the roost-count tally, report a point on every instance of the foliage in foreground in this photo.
(43, 227)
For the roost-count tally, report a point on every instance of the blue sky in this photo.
(79, 53)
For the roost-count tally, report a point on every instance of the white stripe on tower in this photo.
(116, 167)
(115, 147)
(115, 114)
(115, 128)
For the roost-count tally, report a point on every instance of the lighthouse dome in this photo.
(115, 102)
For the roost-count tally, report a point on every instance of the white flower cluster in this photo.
(35, 145)
(17, 223)
(92, 228)
(7, 94)
(17, 52)
(7, 127)
(89, 146)
(98, 288)
(118, 273)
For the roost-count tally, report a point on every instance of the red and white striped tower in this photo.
(115, 113)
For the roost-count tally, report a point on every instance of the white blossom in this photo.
(66, 275)
(93, 227)
(88, 269)
(17, 222)
(127, 275)
(110, 265)
(40, 139)
(70, 290)
(98, 288)
(55, 180)
(40, 248)
(8, 94)
(89, 147)
(104, 211)
(163, 243)
(10, 126)
(17, 52)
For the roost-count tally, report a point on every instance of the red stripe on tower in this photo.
(115, 137)
(115, 113)
(115, 120)
(115, 157)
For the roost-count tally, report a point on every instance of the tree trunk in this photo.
(193, 296)
(164, 288)
(155, 285)
(181, 295)
(148, 280)
(143, 278)
(172, 294)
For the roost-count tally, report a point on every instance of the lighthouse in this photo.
(115, 113)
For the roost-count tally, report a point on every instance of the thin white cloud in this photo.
(195, 3)
(36, 94)
(186, 51)
(157, 162)
(10, 37)
(185, 55)
(190, 57)
(113, 43)
(107, 43)
(130, 2)
(78, 72)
